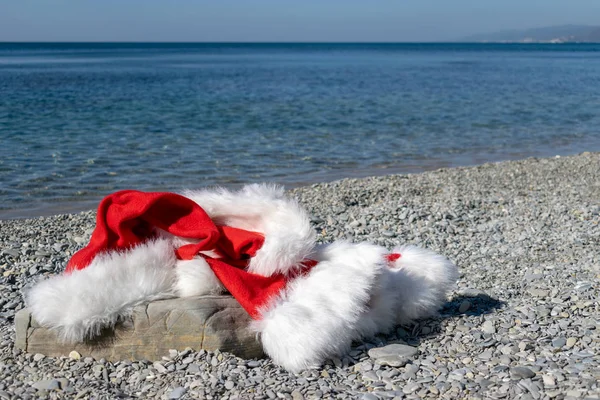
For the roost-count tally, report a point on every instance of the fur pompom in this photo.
(422, 279)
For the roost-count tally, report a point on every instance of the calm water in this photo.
(78, 121)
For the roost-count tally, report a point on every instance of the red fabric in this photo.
(130, 217)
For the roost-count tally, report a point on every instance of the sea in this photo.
(81, 120)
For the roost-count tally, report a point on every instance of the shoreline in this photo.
(48, 209)
(522, 322)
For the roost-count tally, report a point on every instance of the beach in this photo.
(523, 321)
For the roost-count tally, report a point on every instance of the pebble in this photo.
(177, 392)
(559, 342)
(522, 372)
(488, 327)
(159, 368)
(521, 233)
(471, 292)
(392, 361)
(50, 384)
(464, 306)
(539, 292)
(369, 396)
(549, 380)
(410, 388)
(395, 350)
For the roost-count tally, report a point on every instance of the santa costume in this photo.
(308, 302)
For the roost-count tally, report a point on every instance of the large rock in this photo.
(205, 322)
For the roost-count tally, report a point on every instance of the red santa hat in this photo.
(129, 217)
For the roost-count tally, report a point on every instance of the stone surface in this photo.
(464, 306)
(49, 384)
(206, 322)
(177, 393)
(522, 372)
(394, 355)
(392, 361)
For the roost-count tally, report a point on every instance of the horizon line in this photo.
(283, 42)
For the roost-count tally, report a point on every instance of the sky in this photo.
(281, 20)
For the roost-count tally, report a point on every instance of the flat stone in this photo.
(471, 292)
(297, 395)
(393, 350)
(369, 396)
(583, 286)
(522, 372)
(12, 252)
(50, 384)
(532, 277)
(538, 292)
(488, 327)
(159, 368)
(559, 342)
(411, 387)
(177, 392)
(464, 306)
(392, 361)
(370, 376)
(204, 322)
(549, 380)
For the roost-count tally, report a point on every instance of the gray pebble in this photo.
(464, 306)
(559, 342)
(522, 372)
(50, 384)
(369, 396)
(488, 327)
(393, 350)
(177, 392)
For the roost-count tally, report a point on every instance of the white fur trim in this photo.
(317, 316)
(80, 304)
(414, 287)
(421, 280)
(289, 238)
(196, 278)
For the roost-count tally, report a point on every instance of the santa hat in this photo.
(308, 302)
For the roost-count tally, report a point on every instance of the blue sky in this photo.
(280, 20)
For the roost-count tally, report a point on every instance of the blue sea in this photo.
(79, 121)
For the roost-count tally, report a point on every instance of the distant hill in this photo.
(552, 34)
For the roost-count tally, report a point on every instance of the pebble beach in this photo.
(523, 321)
